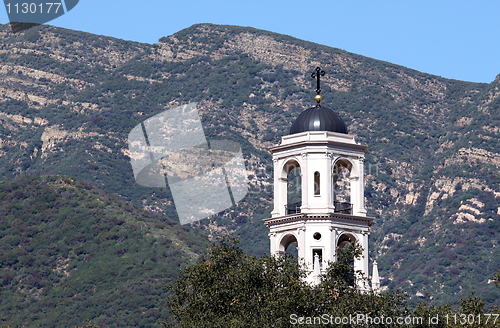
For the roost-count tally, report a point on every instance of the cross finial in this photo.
(316, 75)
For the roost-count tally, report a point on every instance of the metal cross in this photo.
(316, 75)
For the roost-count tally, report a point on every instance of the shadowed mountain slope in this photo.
(70, 253)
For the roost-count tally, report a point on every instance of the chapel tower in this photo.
(324, 167)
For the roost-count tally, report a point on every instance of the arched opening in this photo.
(293, 250)
(345, 256)
(288, 245)
(345, 240)
(342, 186)
(294, 188)
(316, 184)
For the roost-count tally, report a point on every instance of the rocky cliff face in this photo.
(68, 101)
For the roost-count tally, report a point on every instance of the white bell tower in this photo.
(323, 217)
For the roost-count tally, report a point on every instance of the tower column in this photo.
(280, 187)
(357, 189)
(277, 186)
(273, 243)
(301, 249)
(361, 186)
(305, 183)
(327, 184)
(355, 196)
(364, 244)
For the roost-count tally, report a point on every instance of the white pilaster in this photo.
(361, 187)
(305, 182)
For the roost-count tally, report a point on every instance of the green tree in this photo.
(340, 275)
(230, 288)
(344, 292)
(470, 314)
(233, 289)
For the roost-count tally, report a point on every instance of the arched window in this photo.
(342, 187)
(345, 256)
(316, 183)
(345, 240)
(294, 189)
(288, 245)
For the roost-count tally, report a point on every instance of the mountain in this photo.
(70, 253)
(69, 99)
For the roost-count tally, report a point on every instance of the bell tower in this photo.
(324, 167)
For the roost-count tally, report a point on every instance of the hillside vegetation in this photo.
(69, 99)
(69, 253)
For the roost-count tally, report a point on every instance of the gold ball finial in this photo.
(318, 98)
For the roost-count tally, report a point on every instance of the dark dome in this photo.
(318, 119)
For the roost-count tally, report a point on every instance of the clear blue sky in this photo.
(454, 39)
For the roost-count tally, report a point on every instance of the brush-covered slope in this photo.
(69, 99)
(70, 253)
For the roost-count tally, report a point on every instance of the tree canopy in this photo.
(229, 288)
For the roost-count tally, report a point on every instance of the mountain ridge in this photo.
(432, 170)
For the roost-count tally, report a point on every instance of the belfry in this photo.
(319, 191)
